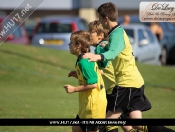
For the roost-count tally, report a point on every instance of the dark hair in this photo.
(105, 31)
(97, 27)
(108, 10)
(84, 38)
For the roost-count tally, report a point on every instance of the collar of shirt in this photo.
(99, 43)
(115, 27)
(79, 58)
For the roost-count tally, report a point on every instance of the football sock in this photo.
(144, 128)
(111, 128)
(102, 129)
(132, 130)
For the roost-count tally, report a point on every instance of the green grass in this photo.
(32, 79)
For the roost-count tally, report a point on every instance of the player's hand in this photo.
(73, 74)
(101, 71)
(102, 45)
(92, 57)
(69, 88)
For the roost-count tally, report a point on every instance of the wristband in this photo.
(102, 57)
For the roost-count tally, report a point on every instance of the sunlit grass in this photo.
(31, 86)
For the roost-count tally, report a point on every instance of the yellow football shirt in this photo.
(125, 70)
(92, 103)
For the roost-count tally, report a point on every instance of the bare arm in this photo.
(92, 57)
(81, 88)
(73, 74)
(117, 44)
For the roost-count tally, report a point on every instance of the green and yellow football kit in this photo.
(106, 66)
(92, 102)
(121, 55)
(128, 93)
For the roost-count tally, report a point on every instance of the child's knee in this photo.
(76, 129)
(135, 114)
(114, 115)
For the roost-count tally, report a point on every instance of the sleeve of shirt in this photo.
(87, 69)
(99, 49)
(99, 63)
(106, 47)
(116, 42)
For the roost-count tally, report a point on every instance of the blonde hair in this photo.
(96, 26)
(108, 10)
(84, 38)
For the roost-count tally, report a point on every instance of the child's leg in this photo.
(128, 129)
(138, 114)
(112, 115)
(76, 129)
(118, 100)
(111, 129)
(138, 103)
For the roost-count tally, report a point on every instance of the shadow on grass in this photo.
(34, 59)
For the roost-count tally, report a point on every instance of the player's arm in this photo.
(106, 46)
(101, 48)
(85, 87)
(117, 44)
(103, 64)
(73, 74)
(89, 74)
(81, 88)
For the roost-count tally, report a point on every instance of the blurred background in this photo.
(53, 22)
